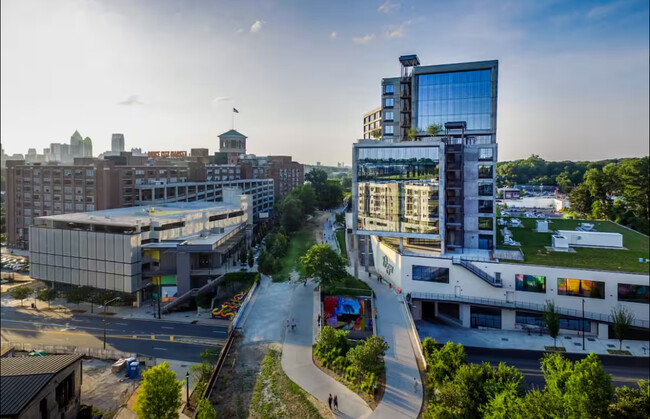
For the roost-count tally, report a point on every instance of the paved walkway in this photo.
(519, 339)
(400, 398)
(297, 359)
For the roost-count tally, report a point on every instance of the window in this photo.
(485, 317)
(537, 319)
(530, 283)
(485, 206)
(65, 391)
(484, 171)
(389, 89)
(430, 273)
(485, 189)
(170, 226)
(388, 130)
(389, 102)
(485, 223)
(485, 242)
(581, 288)
(485, 154)
(389, 116)
(218, 217)
(634, 293)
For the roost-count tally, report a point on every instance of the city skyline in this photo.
(170, 73)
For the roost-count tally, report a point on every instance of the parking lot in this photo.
(14, 263)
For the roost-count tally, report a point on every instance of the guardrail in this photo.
(645, 324)
(478, 272)
(415, 338)
(242, 309)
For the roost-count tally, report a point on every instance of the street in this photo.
(625, 371)
(155, 338)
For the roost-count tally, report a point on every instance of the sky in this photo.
(573, 76)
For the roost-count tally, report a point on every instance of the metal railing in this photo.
(645, 324)
(478, 272)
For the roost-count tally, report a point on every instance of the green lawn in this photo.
(340, 236)
(298, 246)
(348, 286)
(533, 247)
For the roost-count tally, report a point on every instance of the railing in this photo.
(478, 272)
(645, 324)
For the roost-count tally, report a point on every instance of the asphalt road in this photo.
(624, 370)
(156, 338)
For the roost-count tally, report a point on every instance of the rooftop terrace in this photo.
(533, 246)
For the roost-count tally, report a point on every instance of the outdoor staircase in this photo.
(478, 272)
(191, 294)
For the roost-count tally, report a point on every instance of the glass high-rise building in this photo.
(433, 191)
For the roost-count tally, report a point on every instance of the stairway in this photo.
(478, 272)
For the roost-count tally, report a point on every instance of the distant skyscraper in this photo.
(117, 143)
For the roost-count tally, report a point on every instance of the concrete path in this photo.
(267, 311)
(297, 359)
(402, 399)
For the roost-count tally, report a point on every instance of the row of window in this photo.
(583, 288)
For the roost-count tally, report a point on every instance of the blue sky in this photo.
(573, 76)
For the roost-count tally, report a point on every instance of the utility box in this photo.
(542, 226)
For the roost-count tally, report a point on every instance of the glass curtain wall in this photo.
(459, 96)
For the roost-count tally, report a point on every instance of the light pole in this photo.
(105, 304)
(187, 389)
(583, 324)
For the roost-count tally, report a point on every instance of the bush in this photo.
(203, 300)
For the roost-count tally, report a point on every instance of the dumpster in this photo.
(134, 369)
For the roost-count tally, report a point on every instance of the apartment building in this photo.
(372, 122)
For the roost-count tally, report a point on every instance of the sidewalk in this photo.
(297, 360)
(400, 400)
(519, 339)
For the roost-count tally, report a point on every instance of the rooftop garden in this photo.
(533, 246)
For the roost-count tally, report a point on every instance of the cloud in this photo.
(398, 31)
(333, 35)
(388, 7)
(257, 26)
(131, 100)
(240, 30)
(220, 99)
(364, 39)
(603, 10)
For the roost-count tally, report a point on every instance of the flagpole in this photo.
(233, 118)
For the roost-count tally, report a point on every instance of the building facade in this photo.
(129, 249)
(117, 143)
(372, 122)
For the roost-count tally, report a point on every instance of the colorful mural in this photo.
(229, 309)
(346, 313)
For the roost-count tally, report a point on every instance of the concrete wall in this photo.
(398, 269)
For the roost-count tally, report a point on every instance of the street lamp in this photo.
(187, 389)
(105, 304)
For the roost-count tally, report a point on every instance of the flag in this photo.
(235, 110)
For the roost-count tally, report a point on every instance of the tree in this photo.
(266, 263)
(552, 320)
(20, 293)
(367, 356)
(251, 258)
(323, 264)
(442, 362)
(205, 410)
(589, 389)
(581, 200)
(434, 129)
(307, 196)
(290, 209)
(279, 245)
(46, 295)
(160, 394)
(413, 133)
(243, 255)
(632, 403)
(622, 319)
(75, 296)
(376, 133)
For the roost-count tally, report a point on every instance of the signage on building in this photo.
(387, 266)
(167, 154)
(263, 215)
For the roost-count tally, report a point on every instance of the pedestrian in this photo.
(336, 402)
(329, 401)
(319, 320)
(415, 385)
(293, 324)
(288, 325)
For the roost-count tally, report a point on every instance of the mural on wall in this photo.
(229, 309)
(346, 313)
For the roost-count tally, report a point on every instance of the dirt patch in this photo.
(373, 402)
(319, 221)
(105, 390)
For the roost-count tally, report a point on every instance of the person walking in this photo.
(288, 326)
(336, 402)
(415, 385)
(329, 401)
(293, 324)
(319, 320)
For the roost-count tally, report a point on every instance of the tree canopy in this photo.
(159, 396)
(324, 264)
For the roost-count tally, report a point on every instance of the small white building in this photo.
(591, 238)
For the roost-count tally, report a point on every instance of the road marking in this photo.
(122, 324)
(161, 349)
(166, 327)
